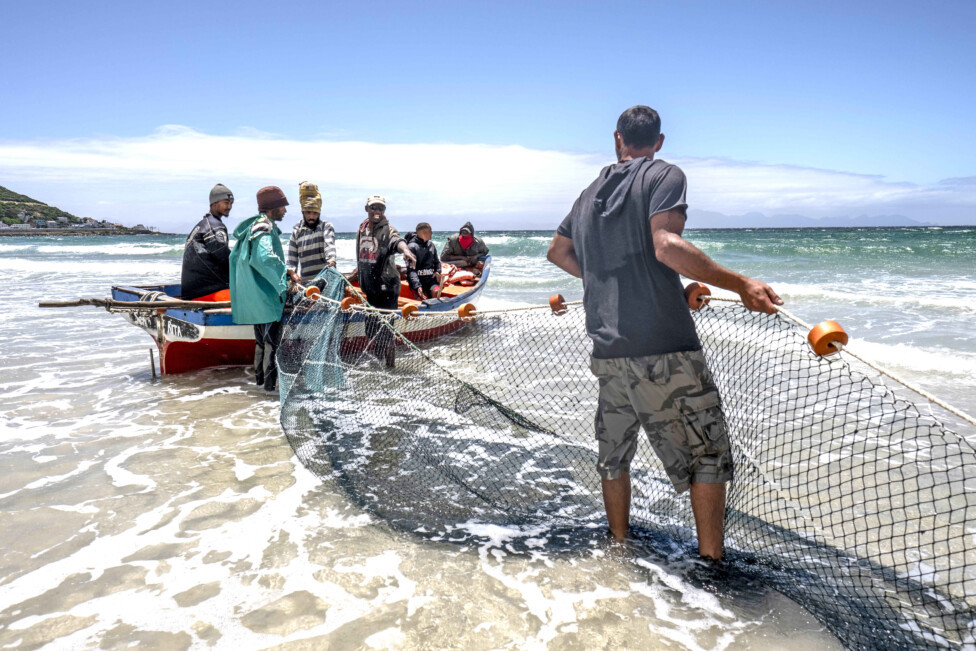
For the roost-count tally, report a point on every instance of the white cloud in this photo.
(164, 179)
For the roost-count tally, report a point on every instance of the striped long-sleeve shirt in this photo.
(310, 250)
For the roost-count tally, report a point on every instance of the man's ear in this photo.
(660, 143)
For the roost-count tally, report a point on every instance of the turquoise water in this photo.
(906, 296)
(171, 512)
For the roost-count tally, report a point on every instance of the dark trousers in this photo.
(267, 336)
(384, 345)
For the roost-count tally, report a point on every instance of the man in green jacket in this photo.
(259, 281)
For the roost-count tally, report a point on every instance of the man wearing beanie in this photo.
(464, 249)
(205, 275)
(377, 243)
(259, 281)
(312, 244)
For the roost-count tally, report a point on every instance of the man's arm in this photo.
(408, 257)
(413, 278)
(215, 242)
(563, 255)
(682, 256)
(292, 261)
(266, 262)
(479, 248)
(328, 236)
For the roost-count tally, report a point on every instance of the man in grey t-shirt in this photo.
(623, 238)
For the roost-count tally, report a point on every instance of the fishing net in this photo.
(846, 497)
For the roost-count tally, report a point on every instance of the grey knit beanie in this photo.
(220, 192)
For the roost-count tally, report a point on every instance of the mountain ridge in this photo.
(13, 204)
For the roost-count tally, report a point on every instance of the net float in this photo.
(467, 311)
(695, 294)
(558, 304)
(827, 338)
(409, 311)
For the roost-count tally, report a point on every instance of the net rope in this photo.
(847, 497)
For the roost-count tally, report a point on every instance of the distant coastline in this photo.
(41, 232)
(37, 232)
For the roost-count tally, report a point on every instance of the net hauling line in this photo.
(825, 339)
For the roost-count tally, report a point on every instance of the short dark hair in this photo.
(423, 226)
(639, 126)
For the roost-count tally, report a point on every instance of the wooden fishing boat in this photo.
(198, 334)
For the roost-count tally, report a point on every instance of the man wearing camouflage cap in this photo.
(312, 245)
(205, 275)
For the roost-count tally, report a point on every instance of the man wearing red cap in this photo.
(259, 281)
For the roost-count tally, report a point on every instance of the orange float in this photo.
(313, 292)
(827, 338)
(558, 304)
(349, 301)
(695, 293)
(408, 311)
(467, 311)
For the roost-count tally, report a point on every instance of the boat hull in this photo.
(204, 337)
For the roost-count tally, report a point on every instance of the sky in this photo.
(500, 112)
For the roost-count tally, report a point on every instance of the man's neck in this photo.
(631, 154)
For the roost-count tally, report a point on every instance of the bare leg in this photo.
(616, 500)
(708, 505)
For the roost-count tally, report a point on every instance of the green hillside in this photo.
(12, 204)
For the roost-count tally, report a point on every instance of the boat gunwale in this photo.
(209, 316)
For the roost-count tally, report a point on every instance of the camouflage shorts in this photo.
(674, 398)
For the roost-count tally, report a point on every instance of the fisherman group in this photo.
(256, 274)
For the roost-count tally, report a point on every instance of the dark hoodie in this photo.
(635, 305)
(453, 247)
(421, 275)
(376, 245)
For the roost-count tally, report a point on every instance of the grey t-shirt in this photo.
(634, 304)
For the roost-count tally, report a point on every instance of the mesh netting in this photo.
(847, 498)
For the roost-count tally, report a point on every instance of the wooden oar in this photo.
(137, 305)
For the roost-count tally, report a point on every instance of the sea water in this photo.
(172, 513)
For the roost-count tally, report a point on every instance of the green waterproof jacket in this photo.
(258, 274)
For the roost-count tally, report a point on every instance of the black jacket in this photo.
(206, 255)
(427, 265)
